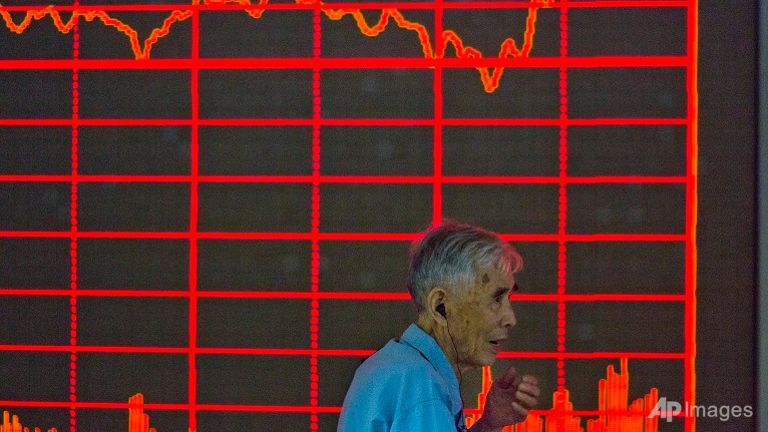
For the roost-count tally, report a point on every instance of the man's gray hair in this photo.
(452, 254)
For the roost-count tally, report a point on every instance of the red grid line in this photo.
(497, 122)
(354, 179)
(347, 63)
(308, 352)
(427, 5)
(73, 225)
(437, 134)
(562, 215)
(328, 295)
(289, 408)
(289, 236)
(689, 382)
(314, 324)
(193, 220)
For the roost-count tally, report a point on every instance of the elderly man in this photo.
(460, 278)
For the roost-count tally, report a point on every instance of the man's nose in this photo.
(509, 319)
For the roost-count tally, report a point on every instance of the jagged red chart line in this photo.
(490, 77)
(441, 49)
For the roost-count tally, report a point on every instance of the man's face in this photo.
(480, 319)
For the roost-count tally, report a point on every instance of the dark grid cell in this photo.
(242, 265)
(539, 273)
(264, 93)
(134, 94)
(111, 377)
(34, 263)
(517, 208)
(535, 328)
(34, 320)
(133, 150)
(127, 321)
(347, 266)
(623, 267)
(627, 31)
(34, 376)
(500, 150)
(606, 326)
(375, 207)
(627, 150)
(36, 93)
(35, 150)
(133, 207)
(274, 33)
(377, 93)
(406, 150)
(255, 380)
(522, 93)
(624, 92)
(34, 206)
(253, 323)
(254, 207)
(133, 264)
(264, 150)
(382, 321)
(626, 208)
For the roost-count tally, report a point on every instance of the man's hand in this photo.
(508, 401)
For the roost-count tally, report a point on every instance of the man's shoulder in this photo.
(397, 363)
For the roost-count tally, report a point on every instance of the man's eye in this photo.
(498, 298)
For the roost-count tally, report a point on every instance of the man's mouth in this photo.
(496, 344)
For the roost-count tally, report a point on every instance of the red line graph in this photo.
(443, 51)
(490, 77)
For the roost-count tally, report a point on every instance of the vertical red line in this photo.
(562, 214)
(437, 138)
(689, 387)
(73, 222)
(193, 216)
(314, 313)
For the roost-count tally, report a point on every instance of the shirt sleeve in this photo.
(427, 416)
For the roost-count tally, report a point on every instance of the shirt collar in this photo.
(428, 347)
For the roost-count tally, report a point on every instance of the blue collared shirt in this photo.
(407, 386)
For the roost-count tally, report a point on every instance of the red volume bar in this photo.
(614, 413)
(11, 424)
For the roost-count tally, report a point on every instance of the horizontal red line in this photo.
(267, 408)
(358, 5)
(356, 179)
(171, 235)
(629, 121)
(346, 63)
(327, 295)
(174, 406)
(317, 352)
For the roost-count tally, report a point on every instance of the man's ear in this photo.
(435, 298)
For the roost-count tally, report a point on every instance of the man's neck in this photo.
(443, 339)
